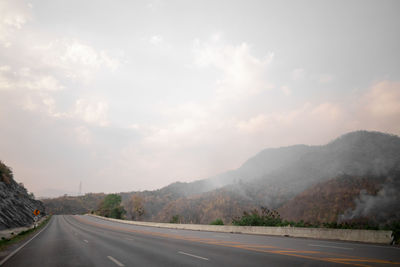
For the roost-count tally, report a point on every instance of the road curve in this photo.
(87, 241)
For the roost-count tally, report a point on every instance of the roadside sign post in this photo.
(35, 218)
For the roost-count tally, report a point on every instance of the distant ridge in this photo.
(275, 176)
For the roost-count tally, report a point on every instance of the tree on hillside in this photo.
(135, 207)
(6, 174)
(111, 207)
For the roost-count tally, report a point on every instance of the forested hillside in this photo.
(312, 183)
(73, 204)
(326, 201)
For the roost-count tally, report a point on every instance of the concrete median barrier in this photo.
(366, 236)
(9, 233)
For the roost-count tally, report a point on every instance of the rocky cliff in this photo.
(16, 205)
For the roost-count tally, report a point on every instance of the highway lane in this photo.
(88, 241)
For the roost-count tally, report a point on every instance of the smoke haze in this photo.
(382, 208)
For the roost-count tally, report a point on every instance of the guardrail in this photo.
(365, 236)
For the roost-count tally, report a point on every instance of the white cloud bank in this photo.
(200, 140)
(13, 16)
(61, 130)
(242, 73)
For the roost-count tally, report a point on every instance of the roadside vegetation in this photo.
(175, 219)
(111, 207)
(135, 208)
(217, 222)
(266, 217)
(5, 242)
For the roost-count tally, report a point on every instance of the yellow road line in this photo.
(258, 248)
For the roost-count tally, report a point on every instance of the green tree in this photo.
(111, 207)
(217, 222)
(175, 219)
(266, 217)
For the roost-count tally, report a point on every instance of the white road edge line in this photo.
(323, 246)
(115, 261)
(23, 245)
(191, 255)
(85, 241)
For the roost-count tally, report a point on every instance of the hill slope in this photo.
(16, 205)
(275, 176)
(73, 204)
(292, 169)
(326, 201)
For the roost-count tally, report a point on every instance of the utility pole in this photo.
(80, 188)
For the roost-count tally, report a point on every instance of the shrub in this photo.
(217, 222)
(255, 218)
(175, 219)
(395, 227)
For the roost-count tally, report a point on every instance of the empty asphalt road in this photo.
(87, 241)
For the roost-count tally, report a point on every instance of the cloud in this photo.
(46, 82)
(154, 4)
(93, 112)
(242, 73)
(13, 16)
(325, 78)
(286, 90)
(83, 135)
(214, 131)
(242, 76)
(38, 69)
(298, 74)
(50, 89)
(203, 143)
(25, 79)
(156, 40)
(379, 107)
(41, 102)
(305, 117)
(74, 59)
(216, 128)
(383, 99)
(5, 83)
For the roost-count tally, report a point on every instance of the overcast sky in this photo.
(134, 95)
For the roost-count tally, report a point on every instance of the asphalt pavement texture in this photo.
(81, 240)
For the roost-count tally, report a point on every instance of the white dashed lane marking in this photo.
(191, 255)
(115, 261)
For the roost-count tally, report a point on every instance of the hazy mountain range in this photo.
(343, 179)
